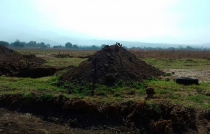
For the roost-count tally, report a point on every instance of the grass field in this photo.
(200, 64)
(46, 105)
(195, 96)
(160, 59)
(64, 62)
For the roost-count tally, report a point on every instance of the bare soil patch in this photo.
(124, 117)
(14, 122)
(13, 63)
(61, 55)
(201, 75)
(110, 65)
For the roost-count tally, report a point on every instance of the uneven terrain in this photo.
(87, 116)
(110, 65)
(13, 63)
(37, 105)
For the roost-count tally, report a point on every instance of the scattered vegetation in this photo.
(196, 96)
(172, 54)
(123, 97)
(64, 62)
(179, 63)
(193, 96)
(163, 59)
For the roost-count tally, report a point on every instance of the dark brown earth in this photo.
(61, 55)
(14, 122)
(109, 65)
(39, 115)
(13, 63)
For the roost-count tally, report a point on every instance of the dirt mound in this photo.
(13, 63)
(109, 65)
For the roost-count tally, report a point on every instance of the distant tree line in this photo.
(4, 43)
(187, 48)
(69, 45)
(20, 44)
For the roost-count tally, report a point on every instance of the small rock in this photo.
(106, 65)
(150, 90)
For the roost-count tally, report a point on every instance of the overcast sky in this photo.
(161, 21)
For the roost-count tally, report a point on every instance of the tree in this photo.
(42, 45)
(23, 43)
(4, 43)
(68, 45)
(189, 48)
(31, 43)
(59, 46)
(75, 46)
(94, 47)
(17, 43)
(103, 45)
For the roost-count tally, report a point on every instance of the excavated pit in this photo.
(110, 65)
(132, 117)
(13, 63)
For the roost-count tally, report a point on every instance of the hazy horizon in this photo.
(162, 21)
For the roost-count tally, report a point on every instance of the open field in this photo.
(32, 96)
(160, 59)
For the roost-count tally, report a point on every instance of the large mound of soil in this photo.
(13, 63)
(109, 65)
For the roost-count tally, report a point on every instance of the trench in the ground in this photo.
(162, 117)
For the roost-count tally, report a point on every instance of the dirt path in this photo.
(201, 75)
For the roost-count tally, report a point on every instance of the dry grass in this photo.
(158, 54)
(173, 54)
(73, 53)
